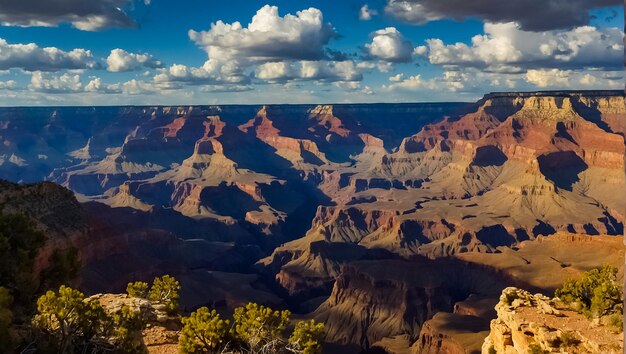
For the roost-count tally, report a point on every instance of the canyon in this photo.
(398, 225)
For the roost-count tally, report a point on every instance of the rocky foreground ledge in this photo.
(529, 323)
(160, 335)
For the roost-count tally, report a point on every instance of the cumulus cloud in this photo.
(389, 45)
(545, 78)
(212, 72)
(326, 71)
(353, 86)
(31, 57)
(380, 65)
(555, 78)
(268, 37)
(276, 71)
(137, 87)
(92, 15)
(48, 83)
(8, 85)
(532, 15)
(272, 48)
(506, 48)
(396, 78)
(95, 85)
(121, 60)
(366, 14)
(417, 83)
(72, 83)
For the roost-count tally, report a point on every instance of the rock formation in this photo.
(528, 323)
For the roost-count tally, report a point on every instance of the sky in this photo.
(147, 52)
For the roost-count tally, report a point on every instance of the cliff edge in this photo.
(529, 323)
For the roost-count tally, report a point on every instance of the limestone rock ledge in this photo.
(529, 323)
(160, 336)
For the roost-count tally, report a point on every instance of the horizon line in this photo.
(485, 96)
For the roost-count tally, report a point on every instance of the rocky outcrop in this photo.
(529, 322)
(161, 331)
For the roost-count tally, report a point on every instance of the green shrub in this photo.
(71, 322)
(256, 329)
(203, 331)
(597, 292)
(138, 289)
(165, 290)
(126, 331)
(258, 325)
(307, 337)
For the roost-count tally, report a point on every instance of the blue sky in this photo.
(142, 52)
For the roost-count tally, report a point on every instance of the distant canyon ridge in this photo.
(330, 210)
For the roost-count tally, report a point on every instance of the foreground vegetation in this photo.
(254, 328)
(597, 294)
(67, 322)
(39, 313)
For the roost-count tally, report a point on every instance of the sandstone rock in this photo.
(527, 321)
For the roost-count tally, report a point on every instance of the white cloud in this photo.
(8, 85)
(330, 71)
(276, 71)
(326, 71)
(396, 78)
(268, 37)
(366, 14)
(65, 83)
(212, 72)
(421, 51)
(573, 79)
(506, 48)
(137, 87)
(412, 83)
(382, 66)
(353, 86)
(275, 48)
(545, 78)
(121, 60)
(588, 80)
(390, 45)
(95, 85)
(31, 57)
